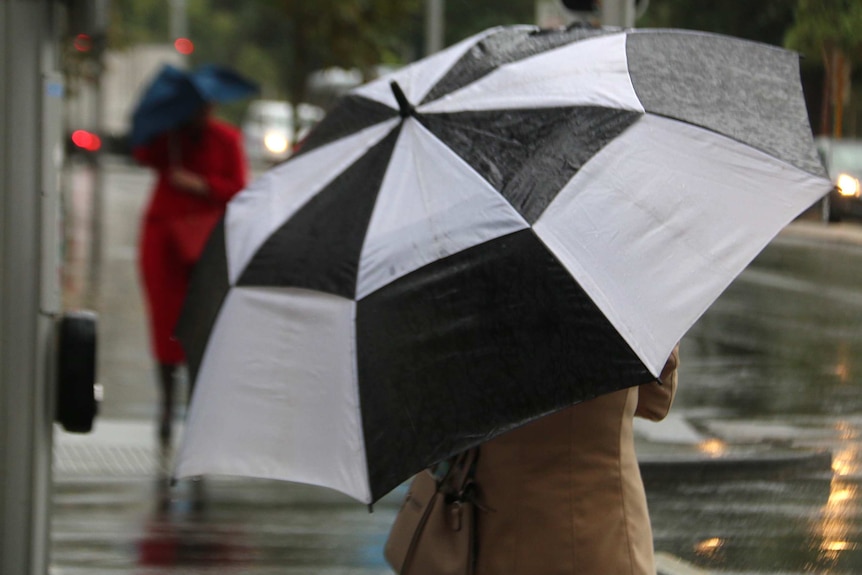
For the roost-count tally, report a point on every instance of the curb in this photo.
(756, 465)
(848, 234)
(123, 448)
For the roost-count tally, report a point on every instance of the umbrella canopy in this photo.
(220, 84)
(174, 96)
(523, 221)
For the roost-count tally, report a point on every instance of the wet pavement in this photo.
(774, 366)
(756, 471)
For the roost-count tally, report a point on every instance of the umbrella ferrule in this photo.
(405, 108)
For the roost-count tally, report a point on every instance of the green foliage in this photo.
(277, 42)
(345, 33)
(763, 21)
(141, 21)
(825, 25)
(280, 42)
(467, 17)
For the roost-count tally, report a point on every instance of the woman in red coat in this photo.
(199, 168)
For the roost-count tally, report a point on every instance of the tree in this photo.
(829, 29)
(759, 21)
(467, 17)
(141, 21)
(278, 42)
(345, 33)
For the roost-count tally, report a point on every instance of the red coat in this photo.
(177, 222)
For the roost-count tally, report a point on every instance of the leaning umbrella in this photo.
(521, 222)
(173, 97)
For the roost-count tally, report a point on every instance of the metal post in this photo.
(434, 25)
(178, 23)
(98, 25)
(28, 262)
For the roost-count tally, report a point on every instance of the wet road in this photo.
(775, 364)
(771, 368)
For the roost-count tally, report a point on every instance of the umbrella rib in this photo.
(736, 139)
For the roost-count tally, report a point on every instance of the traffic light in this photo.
(83, 43)
(86, 26)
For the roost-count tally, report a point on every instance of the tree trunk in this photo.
(826, 99)
(838, 93)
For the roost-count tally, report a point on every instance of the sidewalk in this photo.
(114, 513)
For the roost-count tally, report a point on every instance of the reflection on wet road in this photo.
(224, 527)
(775, 364)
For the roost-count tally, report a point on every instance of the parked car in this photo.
(270, 134)
(843, 161)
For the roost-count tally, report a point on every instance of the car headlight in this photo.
(275, 142)
(847, 185)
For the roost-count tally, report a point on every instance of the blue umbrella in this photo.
(220, 84)
(174, 96)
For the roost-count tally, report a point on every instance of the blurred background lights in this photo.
(86, 140)
(712, 447)
(83, 43)
(708, 547)
(184, 46)
(275, 143)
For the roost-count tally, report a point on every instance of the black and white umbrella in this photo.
(523, 221)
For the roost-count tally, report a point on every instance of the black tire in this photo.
(77, 405)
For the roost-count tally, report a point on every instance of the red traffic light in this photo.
(86, 140)
(184, 46)
(83, 43)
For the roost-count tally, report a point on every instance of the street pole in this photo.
(96, 23)
(434, 25)
(30, 107)
(178, 24)
(618, 13)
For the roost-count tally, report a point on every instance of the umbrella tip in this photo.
(405, 108)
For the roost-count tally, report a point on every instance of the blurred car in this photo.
(843, 162)
(270, 134)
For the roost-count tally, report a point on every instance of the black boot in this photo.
(167, 384)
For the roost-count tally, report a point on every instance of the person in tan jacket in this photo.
(563, 495)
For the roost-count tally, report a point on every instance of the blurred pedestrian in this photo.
(199, 167)
(563, 495)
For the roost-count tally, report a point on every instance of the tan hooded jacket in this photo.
(565, 492)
